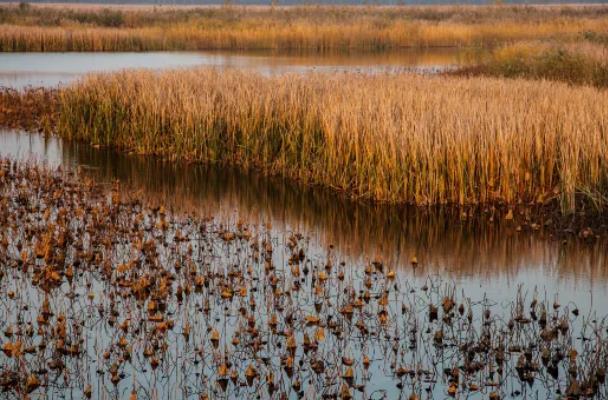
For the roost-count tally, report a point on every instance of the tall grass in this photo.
(295, 29)
(575, 63)
(394, 138)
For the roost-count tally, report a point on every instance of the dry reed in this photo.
(399, 139)
(294, 29)
(33, 110)
(575, 63)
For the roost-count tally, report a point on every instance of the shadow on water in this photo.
(138, 300)
(488, 256)
(441, 242)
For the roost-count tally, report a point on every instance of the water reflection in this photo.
(480, 257)
(132, 300)
(20, 70)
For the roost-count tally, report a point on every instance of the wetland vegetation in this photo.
(391, 138)
(205, 233)
(303, 28)
(196, 309)
(577, 63)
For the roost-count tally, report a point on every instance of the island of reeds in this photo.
(425, 140)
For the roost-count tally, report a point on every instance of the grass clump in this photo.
(578, 63)
(392, 138)
(596, 37)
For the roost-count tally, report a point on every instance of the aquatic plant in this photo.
(107, 297)
(393, 138)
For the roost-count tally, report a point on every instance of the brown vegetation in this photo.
(33, 110)
(581, 63)
(104, 295)
(321, 28)
(392, 138)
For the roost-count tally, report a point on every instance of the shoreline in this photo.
(548, 218)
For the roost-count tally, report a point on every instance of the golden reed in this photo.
(315, 29)
(577, 63)
(393, 138)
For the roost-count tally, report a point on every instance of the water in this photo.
(480, 258)
(20, 70)
(470, 257)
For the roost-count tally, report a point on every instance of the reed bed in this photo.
(392, 138)
(56, 14)
(316, 29)
(583, 63)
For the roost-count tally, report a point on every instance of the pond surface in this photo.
(479, 257)
(20, 70)
(488, 263)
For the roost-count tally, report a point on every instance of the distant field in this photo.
(90, 27)
(122, 7)
(126, 6)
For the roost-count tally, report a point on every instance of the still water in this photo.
(479, 257)
(20, 70)
(486, 263)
